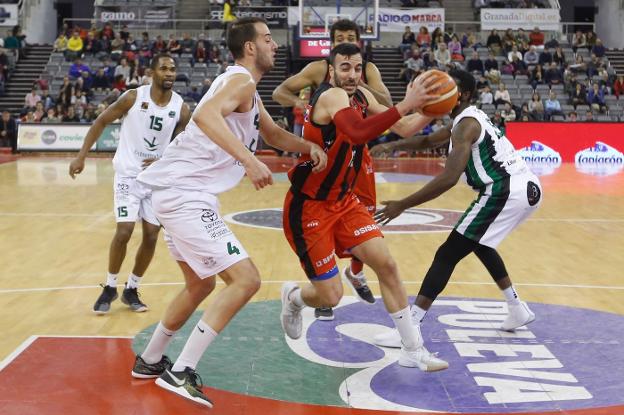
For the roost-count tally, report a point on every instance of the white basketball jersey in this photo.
(145, 131)
(493, 157)
(194, 161)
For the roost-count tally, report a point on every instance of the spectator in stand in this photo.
(475, 64)
(74, 47)
(507, 68)
(91, 45)
(10, 41)
(122, 69)
(545, 58)
(51, 117)
(537, 76)
(105, 48)
(413, 66)
(77, 68)
(145, 47)
(491, 63)
(552, 106)
(60, 44)
(146, 79)
(107, 30)
(553, 75)
(519, 67)
(215, 55)
(579, 96)
(482, 83)
(31, 99)
(124, 33)
(424, 38)
(536, 38)
(589, 117)
(592, 66)
(572, 116)
(596, 98)
(39, 112)
(524, 112)
(201, 53)
(579, 66)
(598, 49)
(159, 46)
(8, 131)
(531, 58)
(509, 41)
(494, 42)
(28, 117)
(486, 96)
(514, 52)
(119, 83)
(206, 86)
(501, 96)
(194, 94)
(498, 120)
(187, 44)
(455, 49)
(578, 41)
(117, 47)
(590, 40)
(618, 86)
(559, 57)
(101, 82)
(521, 37)
(407, 40)
(442, 56)
(536, 107)
(71, 115)
(173, 46)
(434, 37)
(508, 113)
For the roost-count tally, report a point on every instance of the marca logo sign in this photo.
(542, 159)
(601, 159)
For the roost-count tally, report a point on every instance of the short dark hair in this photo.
(346, 49)
(344, 25)
(466, 83)
(157, 58)
(240, 32)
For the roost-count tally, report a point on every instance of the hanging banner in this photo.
(527, 19)
(8, 14)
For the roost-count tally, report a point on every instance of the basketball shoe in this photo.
(102, 304)
(324, 313)
(187, 384)
(291, 320)
(143, 370)
(422, 359)
(130, 297)
(519, 315)
(358, 285)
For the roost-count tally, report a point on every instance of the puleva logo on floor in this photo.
(416, 220)
(541, 159)
(601, 160)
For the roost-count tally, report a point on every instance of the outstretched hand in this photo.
(392, 209)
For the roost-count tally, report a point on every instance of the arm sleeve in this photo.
(361, 130)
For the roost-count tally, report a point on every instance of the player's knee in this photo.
(333, 296)
(150, 238)
(123, 235)
(251, 284)
(387, 269)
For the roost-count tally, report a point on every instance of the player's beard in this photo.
(264, 63)
(347, 83)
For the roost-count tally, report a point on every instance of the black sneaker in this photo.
(187, 384)
(358, 285)
(102, 305)
(142, 370)
(324, 313)
(130, 297)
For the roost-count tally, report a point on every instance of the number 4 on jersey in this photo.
(232, 249)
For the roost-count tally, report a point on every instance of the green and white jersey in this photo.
(145, 131)
(493, 157)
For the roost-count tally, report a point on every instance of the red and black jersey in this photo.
(344, 158)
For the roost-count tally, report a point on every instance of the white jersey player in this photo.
(151, 116)
(211, 156)
(508, 194)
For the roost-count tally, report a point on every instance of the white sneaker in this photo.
(291, 320)
(519, 315)
(389, 338)
(422, 359)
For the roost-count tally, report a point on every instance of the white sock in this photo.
(418, 314)
(295, 297)
(403, 322)
(511, 295)
(195, 346)
(111, 280)
(158, 344)
(133, 281)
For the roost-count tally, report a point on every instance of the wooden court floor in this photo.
(55, 234)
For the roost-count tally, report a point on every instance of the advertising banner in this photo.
(527, 19)
(594, 148)
(8, 14)
(276, 17)
(314, 48)
(63, 137)
(134, 15)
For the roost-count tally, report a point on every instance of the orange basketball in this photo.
(447, 95)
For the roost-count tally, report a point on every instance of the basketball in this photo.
(447, 95)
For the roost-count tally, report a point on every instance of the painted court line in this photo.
(157, 284)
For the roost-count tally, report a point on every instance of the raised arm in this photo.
(236, 93)
(375, 85)
(463, 135)
(115, 111)
(287, 93)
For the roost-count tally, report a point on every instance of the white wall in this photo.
(39, 22)
(609, 22)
